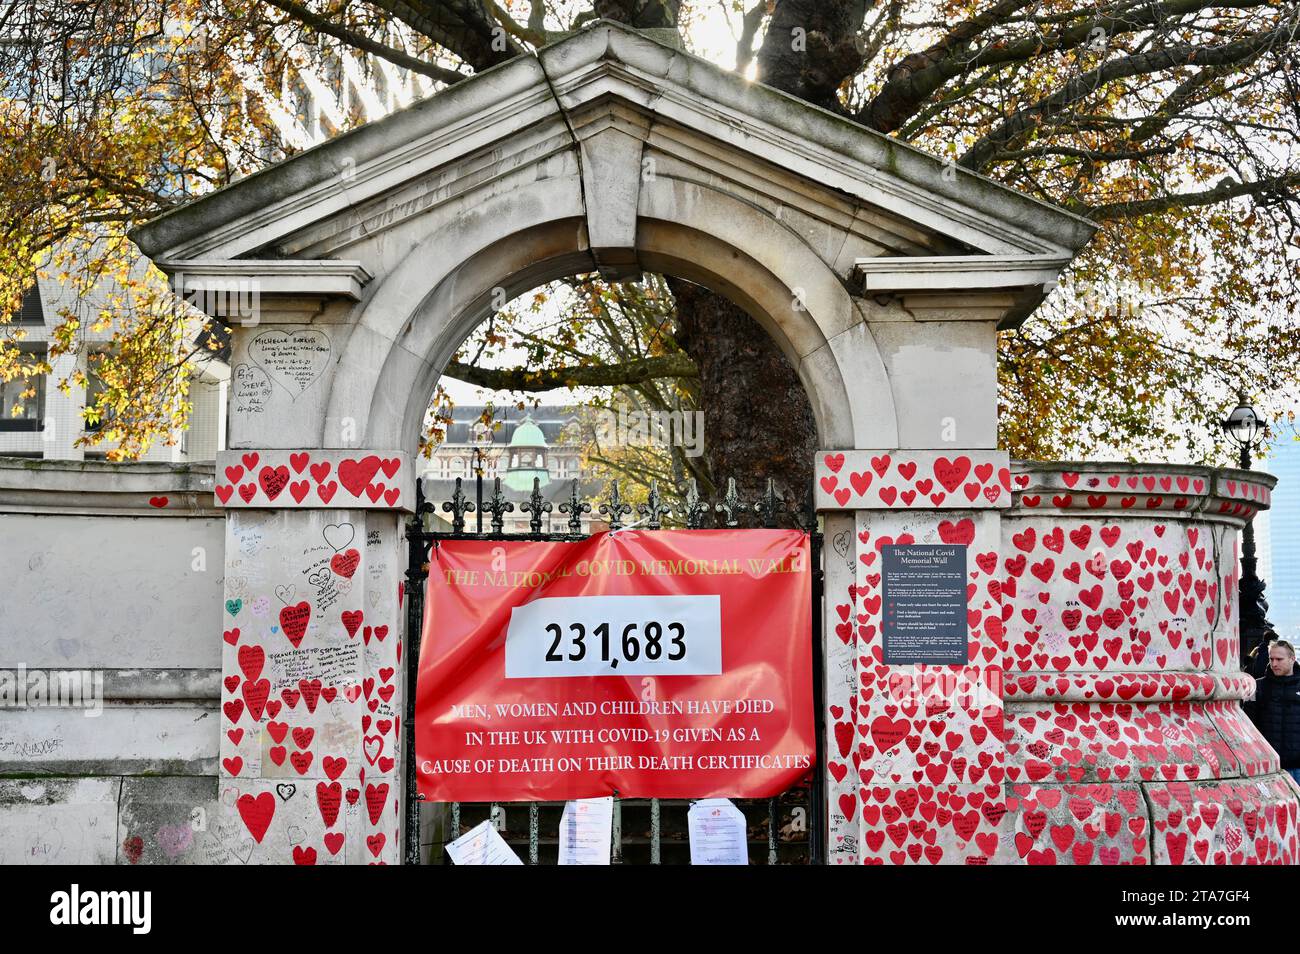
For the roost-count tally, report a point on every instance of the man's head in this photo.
(1281, 657)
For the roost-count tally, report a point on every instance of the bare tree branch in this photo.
(548, 379)
(753, 19)
(463, 27)
(1275, 186)
(362, 42)
(918, 77)
(1162, 58)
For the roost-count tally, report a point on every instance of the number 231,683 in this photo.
(649, 640)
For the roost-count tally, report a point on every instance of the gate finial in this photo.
(536, 506)
(498, 506)
(458, 506)
(615, 508)
(653, 508)
(731, 503)
(695, 507)
(575, 508)
(769, 505)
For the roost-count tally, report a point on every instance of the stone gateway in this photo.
(1100, 629)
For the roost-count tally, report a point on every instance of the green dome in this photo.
(521, 479)
(528, 434)
(527, 458)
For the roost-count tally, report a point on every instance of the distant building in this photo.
(522, 446)
(1278, 539)
(49, 424)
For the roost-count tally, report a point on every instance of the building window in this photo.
(31, 311)
(95, 386)
(20, 413)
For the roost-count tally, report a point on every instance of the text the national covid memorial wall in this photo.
(659, 664)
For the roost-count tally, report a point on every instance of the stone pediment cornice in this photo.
(695, 119)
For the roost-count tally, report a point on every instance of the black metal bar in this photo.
(773, 820)
(1253, 627)
(817, 818)
(416, 573)
(478, 489)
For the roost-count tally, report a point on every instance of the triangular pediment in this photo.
(613, 90)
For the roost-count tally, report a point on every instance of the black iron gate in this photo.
(787, 829)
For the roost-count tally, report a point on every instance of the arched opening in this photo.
(428, 303)
(515, 450)
(592, 381)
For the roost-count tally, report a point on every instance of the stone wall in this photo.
(201, 731)
(110, 575)
(1099, 721)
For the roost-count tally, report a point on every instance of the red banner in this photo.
(654, 664)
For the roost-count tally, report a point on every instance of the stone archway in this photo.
(374, 256)
(882, 275)
(790, 291)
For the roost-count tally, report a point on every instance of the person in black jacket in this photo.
(1276, 709)
(1258, 656)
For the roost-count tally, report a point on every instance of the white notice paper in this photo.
(482, 845)
(585, 830)
(717, 830)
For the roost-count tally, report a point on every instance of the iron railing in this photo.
(787, 829)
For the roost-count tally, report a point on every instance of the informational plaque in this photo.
(923, 604)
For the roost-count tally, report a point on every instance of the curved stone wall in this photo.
(1097, 718)
(1125, 739)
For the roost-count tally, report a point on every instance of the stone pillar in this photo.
(1102, 610)
(1126, 742)
(915, 758)
(311, 754)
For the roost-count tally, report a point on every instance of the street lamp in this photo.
(1244, 427)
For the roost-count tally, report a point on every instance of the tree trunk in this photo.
(757, 419)
(758, 422)
(809, 48)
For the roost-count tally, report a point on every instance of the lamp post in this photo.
(1244, 427)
